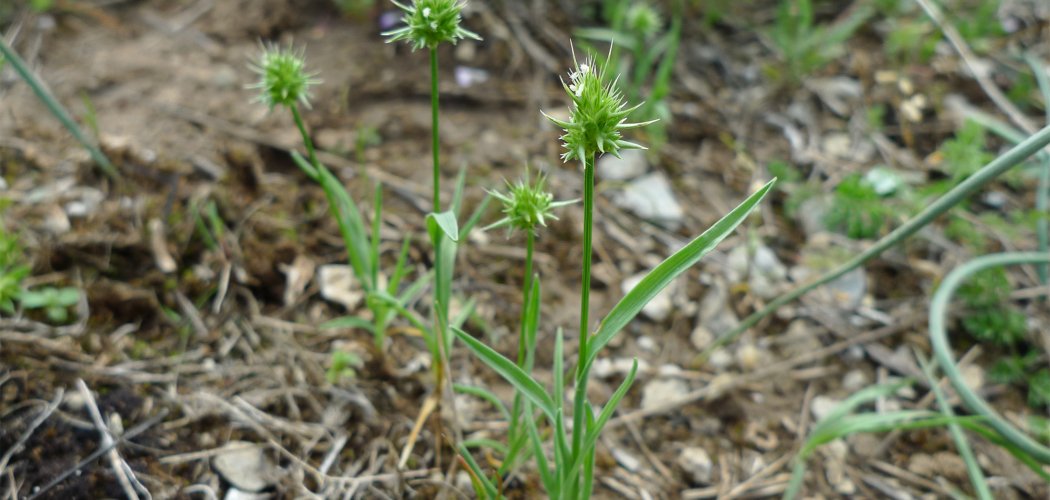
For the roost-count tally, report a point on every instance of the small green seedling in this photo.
(344, 365)
(54, 301)
(12, 270)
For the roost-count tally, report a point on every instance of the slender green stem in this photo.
(434, 126)
(1042, 197)
(310, 152)
(514, 432)
(57, 109)
(530, 245)
(990, 171)
(943, 353)
(961, 444)
(580, 398)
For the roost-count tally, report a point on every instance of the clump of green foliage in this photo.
(54, 301)
(12, 270)
(857, 209)
(990, 317)
(806, 46)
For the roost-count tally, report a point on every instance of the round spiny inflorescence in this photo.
(527, 205)
(430, 22)
(643, 19)
(597, 115)
(283, 79)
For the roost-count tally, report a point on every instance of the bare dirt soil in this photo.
(225, 346)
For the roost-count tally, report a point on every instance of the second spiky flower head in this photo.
(283, 79)
(597, 116)
(430, 22)
(527, 205)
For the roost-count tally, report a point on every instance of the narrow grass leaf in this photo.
(559, 369)
(475, 216)
(377, 222)
(305, 166)
(510, 372)
(399, 267)
(973, 470)
(485, 395)
(482, 485)
(351, 224)
(485, 443)
(445, 222)
(348, 322)
(457, 193)
(594, 428)
(668, 270)
(464, 313)
(537, 450)
(404, 312)
(861, 397)
(532, 322)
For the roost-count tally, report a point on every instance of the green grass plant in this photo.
(284, 82)
(806, 46)
(596, 121)
(54, 301)
(427, 24)
(12, 270)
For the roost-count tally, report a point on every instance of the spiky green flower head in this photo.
(527, 205)
(430, 22)
(643, 19)
(283, 79)
(597, 116)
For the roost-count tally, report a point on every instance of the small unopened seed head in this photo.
(597, 116)
(430, 22)
(643, 20)
(527, 205)
(283, 79)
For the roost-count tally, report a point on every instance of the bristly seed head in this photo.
(283, 79)
(597, 115)
(430, 22)
(643, 19)
(527, 205)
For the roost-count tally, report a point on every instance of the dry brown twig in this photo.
(49, 408)
(969, 58)
(125, 475)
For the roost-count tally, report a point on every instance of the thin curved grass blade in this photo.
(521, 381)
(662, 275)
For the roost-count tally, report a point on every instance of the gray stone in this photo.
(765, 273)
(822, 406)
(631, 164)
(337, 285)
(847, 291)
(854, 381)
(245, 466)
(661, 391)
(697, 464)
(651, 198)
